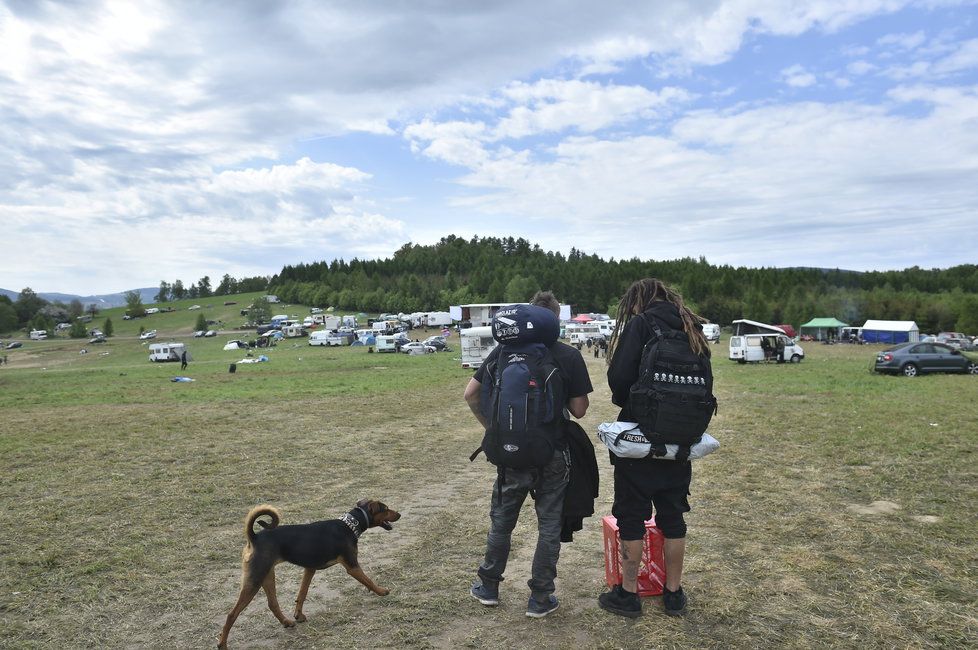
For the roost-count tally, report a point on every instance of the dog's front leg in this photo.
(301, 598)
(362, 577)
(269, 586)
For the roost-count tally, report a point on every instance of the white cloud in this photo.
(860, 67)
(552, 105)
(797, 77)
(964, 58)
(903, 41)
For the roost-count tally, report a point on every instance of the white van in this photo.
(712, 332)
(764, 347)
(332, 339)
(476, 344)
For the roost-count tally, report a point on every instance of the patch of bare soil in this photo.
(875, 508)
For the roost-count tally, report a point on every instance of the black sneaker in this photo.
(538, 609)
(674, 602)
(621, 602)
(488, 596)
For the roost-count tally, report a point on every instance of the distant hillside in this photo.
(103, 300)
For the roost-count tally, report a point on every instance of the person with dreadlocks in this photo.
(641, 483)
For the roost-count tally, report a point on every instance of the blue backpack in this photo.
(523, 393)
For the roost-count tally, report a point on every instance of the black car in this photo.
(912, 359)
(436, 342)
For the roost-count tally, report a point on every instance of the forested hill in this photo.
(457, 271)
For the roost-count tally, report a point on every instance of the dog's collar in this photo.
(352, 523)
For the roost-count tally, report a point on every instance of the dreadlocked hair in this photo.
(640, 297)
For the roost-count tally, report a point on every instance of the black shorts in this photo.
(640, 484)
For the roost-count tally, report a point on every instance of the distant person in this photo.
(183, 360)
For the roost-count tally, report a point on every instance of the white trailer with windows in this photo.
(168, 352)
(476, 344)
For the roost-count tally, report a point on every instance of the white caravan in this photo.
(476, 344)
(386, 343)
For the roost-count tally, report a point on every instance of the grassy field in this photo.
(839, 511)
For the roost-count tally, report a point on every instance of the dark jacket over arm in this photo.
(583, 487)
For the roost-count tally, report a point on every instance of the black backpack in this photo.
(672, 401)
(522, 400)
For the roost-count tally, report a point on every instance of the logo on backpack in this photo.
(672, 401)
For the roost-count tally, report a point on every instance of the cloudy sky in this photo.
(144, 141)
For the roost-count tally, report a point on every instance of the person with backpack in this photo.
(522, 394)
(659, 374)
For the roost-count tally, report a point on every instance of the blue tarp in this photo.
(884, 336)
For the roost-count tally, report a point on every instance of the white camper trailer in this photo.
(476, 344)
(167, 351)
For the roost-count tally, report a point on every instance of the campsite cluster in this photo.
(910, 351)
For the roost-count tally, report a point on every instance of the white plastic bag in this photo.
(626, 440)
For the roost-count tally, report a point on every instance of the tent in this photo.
(582, 318)
(824, 328)
(890, 331)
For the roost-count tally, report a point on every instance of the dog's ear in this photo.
(363, 503)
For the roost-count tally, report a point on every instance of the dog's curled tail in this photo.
(260, 511)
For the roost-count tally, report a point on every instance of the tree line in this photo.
(458, 271)
(489, 269)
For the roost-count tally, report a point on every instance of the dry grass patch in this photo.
(124, 520)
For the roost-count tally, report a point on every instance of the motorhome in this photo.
(476, 344)
(272, 299)
(751, 348)
(167, 352)
(38, 335)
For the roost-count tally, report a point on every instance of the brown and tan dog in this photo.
(312, 546)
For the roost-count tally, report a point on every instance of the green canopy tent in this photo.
(823, 328)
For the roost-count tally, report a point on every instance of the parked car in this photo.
(210, 333)
(97, 339)
(193, 307)
(149, 334)
(14, 344)
(437, 342)
(912, 359)
(416, 347)
(199, 333)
